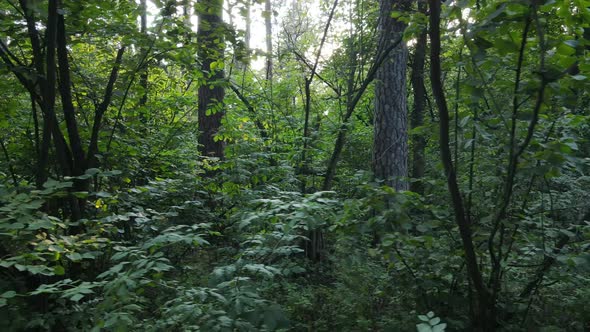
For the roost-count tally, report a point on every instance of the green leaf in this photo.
(75, 257)
(565, 49)
(434, 321)
(59, 270)
(572, 43)
(439, 328)
(423, 327)
(92, 171)
(579, 77)
(8, 294)
(506, 46)
(76, 297)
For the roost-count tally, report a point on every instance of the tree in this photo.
(390, 142)
(51, 77)
(132, 229)
(419, 106)
(268, 39)
(210, 36)
(483, 307)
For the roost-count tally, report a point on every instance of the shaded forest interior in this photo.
(294, 165)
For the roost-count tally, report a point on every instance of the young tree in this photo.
(50, 78)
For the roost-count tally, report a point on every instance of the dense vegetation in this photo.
(162, 175)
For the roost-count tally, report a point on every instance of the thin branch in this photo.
(251, 110)
(9, 163)
(98, 114)
(350, 107)
(319, 76)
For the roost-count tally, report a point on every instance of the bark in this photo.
(350, 107)
(211, 93)
(390, 141)
(417, 119)
(65, 83)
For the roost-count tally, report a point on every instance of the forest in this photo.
(294, 165)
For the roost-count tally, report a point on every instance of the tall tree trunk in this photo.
(186, 18)
(143, 77)
(248, 28)
(211, 92)
(269, 64)
(390, 142)
(417, 120)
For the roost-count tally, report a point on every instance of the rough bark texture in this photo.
(390, 142)
(350, 107)
(211, 93)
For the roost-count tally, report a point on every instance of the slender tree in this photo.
(143, 77)
(482, 313)
(417, 118)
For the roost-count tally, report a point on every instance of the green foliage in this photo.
(431, 323)
(167, 240)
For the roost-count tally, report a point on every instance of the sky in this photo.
(257, 37)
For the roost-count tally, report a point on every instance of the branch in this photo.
(10, 166)
(140, 65)
(309, 66)
(98, 114)
(319, 52)
(350, 107)
(33, 35)
(8, 58)
(259, 125)
(306, 134)
(548, 261)
(517, 151)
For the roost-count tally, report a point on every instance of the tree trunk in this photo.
(143, 77)
(390, 142)
(419, 143)
(211, 92)
(268, 26)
